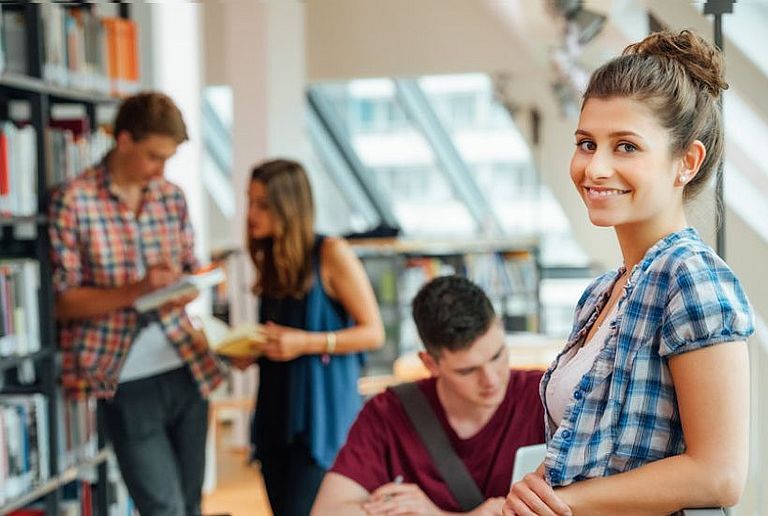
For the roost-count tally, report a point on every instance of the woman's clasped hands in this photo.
(533, 496)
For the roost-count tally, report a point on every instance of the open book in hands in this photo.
(188, 284)
(242, 341)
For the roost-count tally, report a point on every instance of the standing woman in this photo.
(320, 314)
(647, 405)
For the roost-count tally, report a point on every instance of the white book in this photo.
(31, 282)
(3, 456)
(43, 450)
(2, 67)
(26, 170)
(15, 40)
(188, 284)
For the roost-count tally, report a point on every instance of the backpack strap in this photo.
(435, 440)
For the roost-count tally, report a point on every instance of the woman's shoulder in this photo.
(333, 250)
(687, 257)
(686, 247)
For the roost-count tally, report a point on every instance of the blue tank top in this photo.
(305, 399)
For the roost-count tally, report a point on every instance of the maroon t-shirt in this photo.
(383, 443)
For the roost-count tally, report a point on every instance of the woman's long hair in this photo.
(284, 261)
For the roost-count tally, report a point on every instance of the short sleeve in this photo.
(363, 457)
(706, 305)
(65, 247)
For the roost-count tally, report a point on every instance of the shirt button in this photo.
(566, 434)
(577, 395)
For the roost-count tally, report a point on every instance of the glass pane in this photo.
(746, 29)
(335, 214)
(746, 172)
(498, 155)
(401, 163)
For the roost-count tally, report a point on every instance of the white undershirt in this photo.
(151, 352)
(572, 367)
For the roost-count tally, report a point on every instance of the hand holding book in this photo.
(243, 341)
(174, 287)
(283, 343)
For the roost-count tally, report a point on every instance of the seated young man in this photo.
(486, 410)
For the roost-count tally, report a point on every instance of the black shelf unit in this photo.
(388, 262)
(35, 244)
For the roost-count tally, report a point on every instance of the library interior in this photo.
(226, 227)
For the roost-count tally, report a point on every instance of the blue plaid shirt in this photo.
(623, 413)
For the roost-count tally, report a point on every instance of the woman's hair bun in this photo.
(701, 60)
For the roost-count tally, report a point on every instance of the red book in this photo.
(79, 126)
(4, 172)
(86, 499)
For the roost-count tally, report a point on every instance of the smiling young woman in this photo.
(647, 405)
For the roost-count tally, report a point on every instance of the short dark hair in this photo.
(451, 312)
(149, 113)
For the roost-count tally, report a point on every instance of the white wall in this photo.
(372, 38)
(170, 57)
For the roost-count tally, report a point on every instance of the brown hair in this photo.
(679, 76)
(284, 261)
(149, 113)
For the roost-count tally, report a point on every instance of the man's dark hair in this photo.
(450, 313)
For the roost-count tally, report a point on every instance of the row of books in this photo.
(80, 49)
(499, 274)
(19, 313)
(70, 152)
(24, 457)
(509, 277)
(77, 500)
(24, 440)
(18, 173)
(503, 274)
(87, 52)
(71, 148)
(77, 436)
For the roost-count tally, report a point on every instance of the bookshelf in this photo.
(53, 56)
(507, 270)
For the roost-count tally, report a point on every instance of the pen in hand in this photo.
(397, 480)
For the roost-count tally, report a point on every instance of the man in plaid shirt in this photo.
(118, 231)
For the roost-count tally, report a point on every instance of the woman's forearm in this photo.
(348, 340)
(660, 487)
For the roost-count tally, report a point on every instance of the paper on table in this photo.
(188, 284)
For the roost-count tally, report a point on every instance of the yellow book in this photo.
(244, 340)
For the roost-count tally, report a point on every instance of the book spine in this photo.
(19, 316)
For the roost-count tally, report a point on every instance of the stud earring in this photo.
(683, 178)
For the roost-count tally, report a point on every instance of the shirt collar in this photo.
(665, 243)
(152, 190)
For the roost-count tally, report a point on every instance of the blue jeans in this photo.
(158, 427)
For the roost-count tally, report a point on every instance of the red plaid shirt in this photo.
(95, 242)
